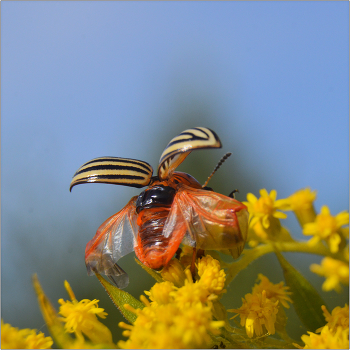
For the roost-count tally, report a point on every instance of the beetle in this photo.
(175, 208)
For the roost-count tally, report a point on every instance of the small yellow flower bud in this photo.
(174, 273)
(301, 202)
(160, 292)
(211, 276)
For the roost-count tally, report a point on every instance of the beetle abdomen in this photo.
(151, 242)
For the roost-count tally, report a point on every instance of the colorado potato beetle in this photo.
(174, 209)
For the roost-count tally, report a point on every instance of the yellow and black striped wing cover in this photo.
(182, 145)
(114, 170)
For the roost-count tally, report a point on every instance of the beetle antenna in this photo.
(222, 160)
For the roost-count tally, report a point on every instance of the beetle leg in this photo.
(178, 253)
(200, 253)
(232, 194)
(193, 264)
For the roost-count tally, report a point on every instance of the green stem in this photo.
(250, 255)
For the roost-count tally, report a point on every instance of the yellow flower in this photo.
(160, 292)
(14, 338)
(191, 292)
(171, 325)
(177, 317)
(335, 272)
(194, 323)
(80, 318)
(328, 228)
(301, 202)
(174, 273)
(273, 291)
(338, 318)
(211, 276)
(302, 199)
(264, 208)
(151, 329)
(257, 310)
(327, 339)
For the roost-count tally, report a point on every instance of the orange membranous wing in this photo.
(113, 240)
(214, 221)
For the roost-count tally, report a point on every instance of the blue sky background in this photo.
(87, 79)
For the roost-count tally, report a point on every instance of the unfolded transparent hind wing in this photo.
(113, 240)
(213, 221)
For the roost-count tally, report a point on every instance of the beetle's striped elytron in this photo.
(174, 208)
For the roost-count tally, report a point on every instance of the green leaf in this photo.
(307, 302)
(120, 298)
(151, 272)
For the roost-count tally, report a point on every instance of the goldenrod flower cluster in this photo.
(184, 307)
(330, 230)
(80, 318)
(260, 308)
(329, 234)
(334, 335)
(338, 318)
(13, 338)
(178, 317)
(257, 311)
